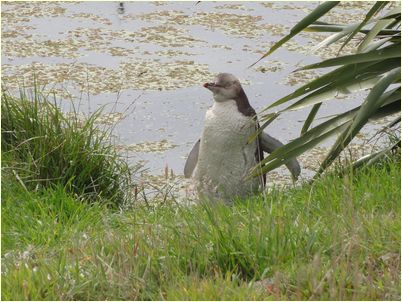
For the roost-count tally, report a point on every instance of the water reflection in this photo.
(120, 9)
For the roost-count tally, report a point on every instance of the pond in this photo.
(145, 62)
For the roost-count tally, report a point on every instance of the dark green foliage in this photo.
(375, 65)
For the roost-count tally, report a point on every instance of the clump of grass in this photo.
(45, 148)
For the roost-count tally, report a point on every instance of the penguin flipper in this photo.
(191, 161)
(269, 144)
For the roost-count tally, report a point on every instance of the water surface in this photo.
(146, 63)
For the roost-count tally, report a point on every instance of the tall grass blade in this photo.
(379, 5)
(335, 37)
(310, 118)
(327, 28)
(377, 44)
(334, 89)
(269, 119)
(380, 25)
(394, 13)
(392, 51)
(340, 28)
(296, 151)
(339, 74)
(312, 134)
(370, 159)
(317, 13)
(319, 133)
(372, 103)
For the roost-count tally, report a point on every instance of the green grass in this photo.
(337, 239)
(43, 147)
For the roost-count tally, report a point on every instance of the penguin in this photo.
(222, 158)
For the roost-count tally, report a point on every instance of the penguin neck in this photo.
(243, 105)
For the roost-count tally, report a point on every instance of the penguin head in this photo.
(225, 87)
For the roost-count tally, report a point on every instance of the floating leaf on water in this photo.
(146, 147)
(270, 66)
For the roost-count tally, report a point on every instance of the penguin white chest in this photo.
(225, 157)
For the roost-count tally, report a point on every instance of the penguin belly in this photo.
(225, 158)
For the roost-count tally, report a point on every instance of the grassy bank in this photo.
(336, 239)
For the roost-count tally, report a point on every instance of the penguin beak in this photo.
(210, 86)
